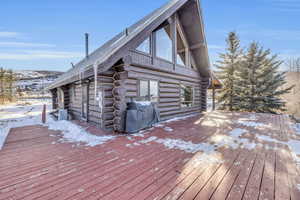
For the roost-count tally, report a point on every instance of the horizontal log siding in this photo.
(169, 90)
(105, 83)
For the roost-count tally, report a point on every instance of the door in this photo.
(85, 102)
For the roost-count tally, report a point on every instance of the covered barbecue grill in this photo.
(141, 115)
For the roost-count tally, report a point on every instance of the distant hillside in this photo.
(293, 98)
(34, 82)
(30, 74)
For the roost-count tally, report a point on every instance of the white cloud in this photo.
(24, 44)
(7, 34)
(285, 5)
(35, 55)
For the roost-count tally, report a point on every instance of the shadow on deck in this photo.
(219, 156)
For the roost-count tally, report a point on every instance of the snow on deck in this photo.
(217, 156)
(29, 112)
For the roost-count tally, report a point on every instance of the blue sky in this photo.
(49, 34)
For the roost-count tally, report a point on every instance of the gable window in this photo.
(144, 46)
(186, 96)
(148, 90)
(164, 43)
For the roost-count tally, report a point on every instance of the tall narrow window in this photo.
(148, 90)
(187, 96)
(144, 89)
(153, 91)
(144, 46)
(164, 43)
(181, 50)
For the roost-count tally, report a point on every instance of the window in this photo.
(144, 46)
(144, 89)
(148, 90)
(186, 96)
(154, 91)
(164, 43)
(181, 51)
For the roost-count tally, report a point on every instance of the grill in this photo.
(141, 115)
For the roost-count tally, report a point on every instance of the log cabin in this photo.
(163, 58)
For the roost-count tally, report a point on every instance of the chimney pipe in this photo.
(86, 45)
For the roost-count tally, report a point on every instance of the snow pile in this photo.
(233, 140)
(188, 147)
(293, 145)
(298, 187)
(237, 132)
(75, 134)
(150, 139)
(251, 124)
(143, 103)
(224, 140)
(168, 129)
(297, 128)
(28, 114)
(207, 158)
(3, 135)
(19, 115)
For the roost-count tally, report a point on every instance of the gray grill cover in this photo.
(141, 115)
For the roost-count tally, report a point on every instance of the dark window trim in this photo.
(155, 45)
(193, 99)
(148, 80)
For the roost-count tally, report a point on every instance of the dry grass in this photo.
(293, 98)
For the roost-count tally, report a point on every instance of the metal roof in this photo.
(104, 52)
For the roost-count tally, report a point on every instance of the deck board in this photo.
(36, 163)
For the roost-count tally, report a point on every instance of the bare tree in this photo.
(293, 64)
(7, 79)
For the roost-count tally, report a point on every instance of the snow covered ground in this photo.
(25, 113)
(236, 138)
(22, 113)
(29, 112)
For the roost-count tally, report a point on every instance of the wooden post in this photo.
(119, 95)
(213, 98)
(44, 114)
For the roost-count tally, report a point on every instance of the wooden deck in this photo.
(35, 164)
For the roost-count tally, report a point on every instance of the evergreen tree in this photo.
(10, 85)
(227, 65)
(259, 81)
(7, 79)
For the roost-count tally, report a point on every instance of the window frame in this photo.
(148, 90)
(180, 96)
(154, 35)
(150, 46)
(187, 52)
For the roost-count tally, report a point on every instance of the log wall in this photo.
(120, 85)
(102, 119)
(170, 78)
